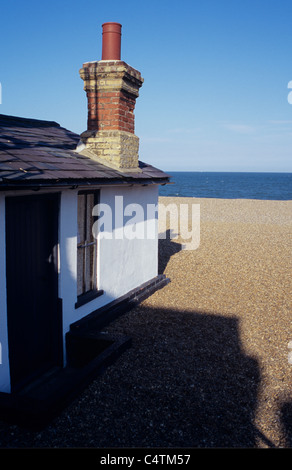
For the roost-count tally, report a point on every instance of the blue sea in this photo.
(272, 186)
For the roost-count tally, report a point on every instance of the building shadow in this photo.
(185, 382)
(166, 249)
(200, 386)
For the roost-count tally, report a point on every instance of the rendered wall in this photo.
(126, 263)
(122, 263)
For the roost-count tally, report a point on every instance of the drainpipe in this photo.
(111, 41)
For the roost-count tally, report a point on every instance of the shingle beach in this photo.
(209, 364)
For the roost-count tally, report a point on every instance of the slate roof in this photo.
(42, 153)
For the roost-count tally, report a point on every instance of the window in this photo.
(86, 249)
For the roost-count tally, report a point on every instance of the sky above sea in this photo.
(217, 75)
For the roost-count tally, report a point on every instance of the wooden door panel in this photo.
(32, 285)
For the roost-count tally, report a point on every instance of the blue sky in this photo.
(216, 74)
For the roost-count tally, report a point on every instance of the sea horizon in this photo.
(223, 171)
(229, 185)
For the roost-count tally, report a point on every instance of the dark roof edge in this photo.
(23, 120)
(35, 185)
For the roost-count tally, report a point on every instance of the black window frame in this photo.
(88, 295)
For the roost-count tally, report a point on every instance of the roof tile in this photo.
(35, 150)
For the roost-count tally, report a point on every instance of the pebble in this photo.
(208, 366)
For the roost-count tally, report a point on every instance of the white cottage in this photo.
(78, 237)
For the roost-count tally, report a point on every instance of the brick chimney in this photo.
(112, 87)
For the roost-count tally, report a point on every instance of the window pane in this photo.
(81, 218)
(86, 251)
(87, 270)
(93, 266)
(80, 272)
(89, 222)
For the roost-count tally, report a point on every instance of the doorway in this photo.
(33, 309)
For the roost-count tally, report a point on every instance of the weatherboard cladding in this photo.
(42, 152)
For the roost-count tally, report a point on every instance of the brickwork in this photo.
(112, 88)
(108, 110)
(116, 148)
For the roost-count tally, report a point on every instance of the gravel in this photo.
(209, 362)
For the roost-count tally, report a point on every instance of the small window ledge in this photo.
(87, 297)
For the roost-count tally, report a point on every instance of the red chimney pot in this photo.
(111, 41)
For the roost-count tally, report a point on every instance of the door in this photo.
(34, 319)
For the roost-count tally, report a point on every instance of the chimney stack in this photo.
(112, 87)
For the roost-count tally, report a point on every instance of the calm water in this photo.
(275, 186)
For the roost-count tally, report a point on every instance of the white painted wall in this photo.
(122, 263)
(127, 263)
(68, 258)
